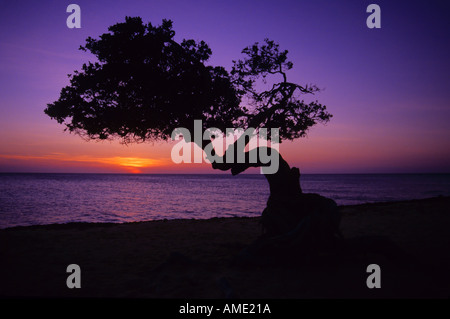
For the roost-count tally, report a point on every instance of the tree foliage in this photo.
(281, 106)
(144, 84)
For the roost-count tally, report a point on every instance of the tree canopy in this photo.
(144, 85)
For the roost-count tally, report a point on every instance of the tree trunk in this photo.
(292, 220)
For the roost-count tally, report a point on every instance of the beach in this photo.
(190, 258)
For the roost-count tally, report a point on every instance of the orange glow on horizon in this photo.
(135, 162)
(131, 164)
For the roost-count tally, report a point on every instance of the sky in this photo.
(388, 88)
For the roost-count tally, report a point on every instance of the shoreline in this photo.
(190, 258)
(343, 209)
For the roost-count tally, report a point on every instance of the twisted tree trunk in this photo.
(293, 221)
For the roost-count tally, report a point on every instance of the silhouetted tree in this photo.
(144, 85)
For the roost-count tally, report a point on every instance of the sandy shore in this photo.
(191, 258)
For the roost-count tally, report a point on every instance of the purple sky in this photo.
(388, 88)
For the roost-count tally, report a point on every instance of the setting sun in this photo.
(131, 161)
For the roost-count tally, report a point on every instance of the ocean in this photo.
(36, 199)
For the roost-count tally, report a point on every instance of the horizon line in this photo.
(225, 174)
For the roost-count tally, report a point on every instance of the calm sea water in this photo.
(33, 199)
